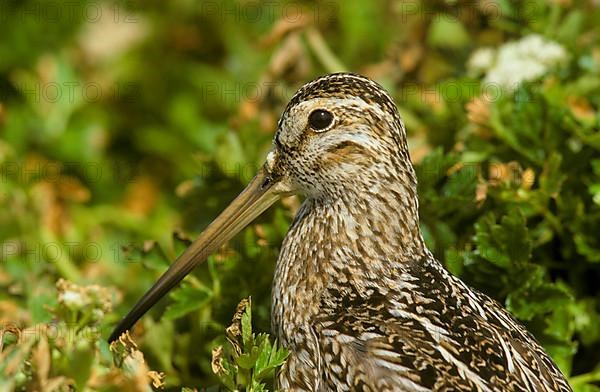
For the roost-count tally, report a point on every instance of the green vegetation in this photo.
(125, 127)
(251, 359)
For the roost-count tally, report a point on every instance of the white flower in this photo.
(514, 72)
(72, 299)
(481, 60)
(515, 62)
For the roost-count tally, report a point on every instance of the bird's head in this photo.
(340, 135)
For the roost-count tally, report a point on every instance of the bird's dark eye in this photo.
(320, 119)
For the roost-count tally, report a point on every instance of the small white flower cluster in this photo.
(72, 299)
(518, 61)
(93, 298)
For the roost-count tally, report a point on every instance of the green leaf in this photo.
(552, 178)
(153, 256)
(535, 296)
(262, 361)
(505, 244)
(247, 336)
(247, 360)
(187, 298)
(258, 360)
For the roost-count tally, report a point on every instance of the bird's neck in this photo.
(360, 239)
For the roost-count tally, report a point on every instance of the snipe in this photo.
(358, 299)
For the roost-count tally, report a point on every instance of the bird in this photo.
(358, 300)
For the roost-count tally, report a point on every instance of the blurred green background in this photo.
(125, 127)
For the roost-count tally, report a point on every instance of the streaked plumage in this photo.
(358, 299)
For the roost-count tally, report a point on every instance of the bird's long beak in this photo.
(259, 195)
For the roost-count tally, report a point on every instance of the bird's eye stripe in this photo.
(346, 144)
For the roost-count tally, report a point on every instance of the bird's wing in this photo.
(363, 348)
(377, 343)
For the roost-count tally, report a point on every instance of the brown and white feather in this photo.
(359, 301)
